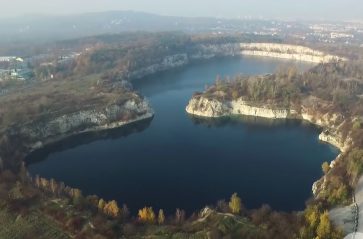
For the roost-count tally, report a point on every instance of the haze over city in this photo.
(281, 9)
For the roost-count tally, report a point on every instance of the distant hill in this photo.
(45, 28)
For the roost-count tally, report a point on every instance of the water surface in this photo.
(177, 161)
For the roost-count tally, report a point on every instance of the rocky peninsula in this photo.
(322, 96)
(213, 108)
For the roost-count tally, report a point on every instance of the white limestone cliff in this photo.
(202, 106)
(213, 108)
(53, 129)
(286, 51)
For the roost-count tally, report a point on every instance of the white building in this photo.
(7, 58)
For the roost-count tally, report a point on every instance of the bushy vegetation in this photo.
(341, 179)
(334, 88)
(339, 82)
(317, 224)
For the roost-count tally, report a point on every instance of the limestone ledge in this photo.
(286, 51)
(213, 108)
(290, 56)
(209, 51)
(43, 132)
(204, 107)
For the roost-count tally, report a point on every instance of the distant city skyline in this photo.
(279, 9)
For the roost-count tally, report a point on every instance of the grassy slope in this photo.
(31, 225)
(43, 99)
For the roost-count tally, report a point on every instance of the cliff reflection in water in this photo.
(251, 121)
(87, 138)
(187, 163)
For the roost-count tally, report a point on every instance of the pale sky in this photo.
(280, 9)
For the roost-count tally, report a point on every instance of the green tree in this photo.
(235, 204)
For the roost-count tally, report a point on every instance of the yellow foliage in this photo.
(147, 215)
(312, 216)
(101, 204)
(324, 229)
(235, 204)
(161, 216)
(326, 167)
(111, 209)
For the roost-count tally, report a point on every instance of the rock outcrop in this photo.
(209, 51)
(334, 139)
(52, 129)
(285, 51)
(212, 108)
(202, 106)
(167, 63)
(43, 131)
(205, 107)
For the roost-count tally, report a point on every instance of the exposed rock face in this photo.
(44, 131)
(111, 116)
(333, 139)
(208, 51)
(202, 106)
(168, 62)
(285, 51)
(331, 123)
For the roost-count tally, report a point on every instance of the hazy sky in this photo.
(292, 9)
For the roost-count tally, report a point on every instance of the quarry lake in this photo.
(177, 161)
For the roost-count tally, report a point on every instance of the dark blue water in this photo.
(177, 161)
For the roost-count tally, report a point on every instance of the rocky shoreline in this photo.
(43, 132)
(213, 108)
(286, 51)
(209, 51)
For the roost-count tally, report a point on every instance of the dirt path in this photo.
(359, 201)
(350, 218)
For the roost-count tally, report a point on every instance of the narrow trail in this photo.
(359, 203)
(350, 218)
